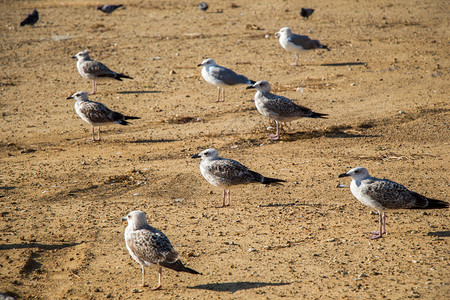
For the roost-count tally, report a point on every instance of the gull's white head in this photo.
(356, 174)
(207, 154)
(136, 219)
(262, 86)
(286, 31)
(207, 62)
(82, 55)
(83, 96)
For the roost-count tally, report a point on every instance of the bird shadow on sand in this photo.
(153, 141)
(329, 133)
(139, 92)
(235, 286)
(345, 64)
(439, 233)
(37, 245)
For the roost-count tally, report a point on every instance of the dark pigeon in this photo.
(109, 8)
(203, 6)
(306, 12)
(31, 19)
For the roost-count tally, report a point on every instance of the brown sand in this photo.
(385, 87)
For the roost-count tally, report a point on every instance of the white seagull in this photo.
(297, 43)
(96, 113)
(150, 247)
(221, 76)
(384, 194)
(279, 108)
(95, 70)
(225, 173)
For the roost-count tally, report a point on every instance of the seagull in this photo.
(384, 194)
(297, 43)
(221, 76)
(203, 6)
(150, 247)
(95, 70)
(306, 12)
(279, 108)
(96, 113)
(109, 8)
(224, 173)
(31, 19)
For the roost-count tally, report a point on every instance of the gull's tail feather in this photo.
(268, 180)
(318, 115)
(178, 266)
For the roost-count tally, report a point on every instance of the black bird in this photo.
(203, 6)
(306, 12)
(31, 19)
(109, 8)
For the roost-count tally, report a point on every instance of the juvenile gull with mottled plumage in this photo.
(225, 173)
(221, 76)
(297, 43)
(150, 247)
(95, 70)
(96, 113)
(384, 194)
(279, 108)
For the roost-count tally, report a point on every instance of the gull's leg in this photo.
(98, 133)
(93, 134)
(223, 200)
(143, 276)
(218, 94)
(223, 94)
(228, 196)
(378, 234)
(275, 136)
(384, 223)
(94, 88)
(159, 280)
(296, 60)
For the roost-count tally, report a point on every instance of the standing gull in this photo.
(224, 173)
(95, 70)
(108, 8)
(297, 43)
(96, 113)
(384, 194)
(150, 247)
(306, 12)
(279, 108)
(31, 19)
(221, 76)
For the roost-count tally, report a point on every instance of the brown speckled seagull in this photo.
(150, 247)
(384, 194)
(95, 70)
(96, 113)
(279, 108)
(225, 173)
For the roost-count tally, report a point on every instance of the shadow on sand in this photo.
(439, 233)
(345, 64)
(235, 286)
(37, 245)
(139, 92)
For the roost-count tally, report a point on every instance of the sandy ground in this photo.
(384, 84)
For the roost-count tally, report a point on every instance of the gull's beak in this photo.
(199, 65)
(195, 156)
(343, 175)
(74, 56)
(277, 34)
(70, 97)
(250, 87)
(124, 218)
